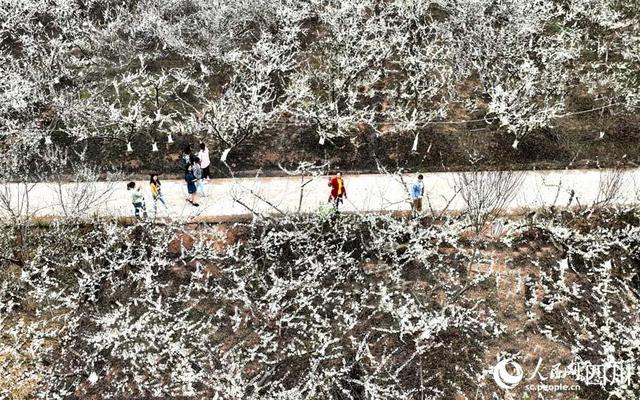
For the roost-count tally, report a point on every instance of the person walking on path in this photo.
(137, 199)
(338, 190)
(197, 172)
(156, 194)
(417, 192)
(205, 161)
(191, 186)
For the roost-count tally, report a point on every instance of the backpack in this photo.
(183, 163)
(197, 171)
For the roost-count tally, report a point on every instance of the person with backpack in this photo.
(197, 172)
(417, 192)
(156, 194)
(137, 199)
(191, 186)
(338, 190)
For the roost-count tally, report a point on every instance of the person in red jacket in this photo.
(338, 190)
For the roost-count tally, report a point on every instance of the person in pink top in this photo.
(205, 162)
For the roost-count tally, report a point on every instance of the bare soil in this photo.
(573, 143)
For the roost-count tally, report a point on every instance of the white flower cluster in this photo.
(299, 307)
(232, 70)
(590, 300)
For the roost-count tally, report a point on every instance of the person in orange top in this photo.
(338, 190)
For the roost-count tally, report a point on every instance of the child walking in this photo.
(198, 173)
(137, 199)
(156, 194)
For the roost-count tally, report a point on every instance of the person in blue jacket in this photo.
(417, 192)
